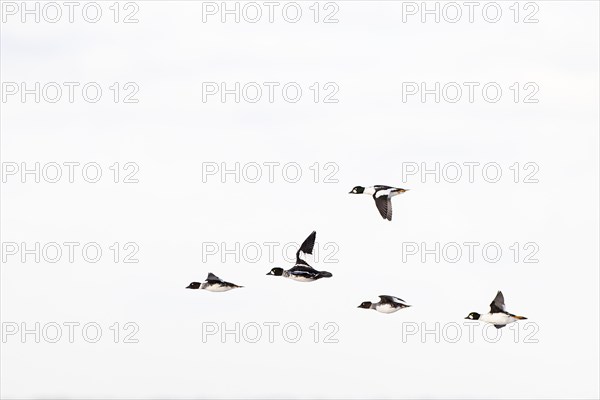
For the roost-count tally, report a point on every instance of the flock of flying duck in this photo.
(303, 272)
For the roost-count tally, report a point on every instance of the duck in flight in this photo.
(497, 315)
(382, 195)
(213, 284)
(302, 271)
(386, 304)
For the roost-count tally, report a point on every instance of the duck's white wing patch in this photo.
(383, 192)
(398, 300)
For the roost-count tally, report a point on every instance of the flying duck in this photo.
(382, 195)
(497, 315)
(302, 271)
(213, 284)
(386, 304)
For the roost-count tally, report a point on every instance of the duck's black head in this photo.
(365, 304)
(357, 190)
(276, 272)
(194, 285)
(475, 316)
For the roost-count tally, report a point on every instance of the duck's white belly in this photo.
(386, 308)
(301, 278)
(497, 319)
(219, 288)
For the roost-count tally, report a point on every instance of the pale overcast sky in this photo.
(369, 58)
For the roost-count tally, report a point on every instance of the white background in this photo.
(368, 134)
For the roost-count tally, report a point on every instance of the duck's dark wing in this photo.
(497, 305)
(390, 299)
(382, 187)
(307, 246)
(303, 268)
(213, 278)
(305, 271)
(384, 205)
